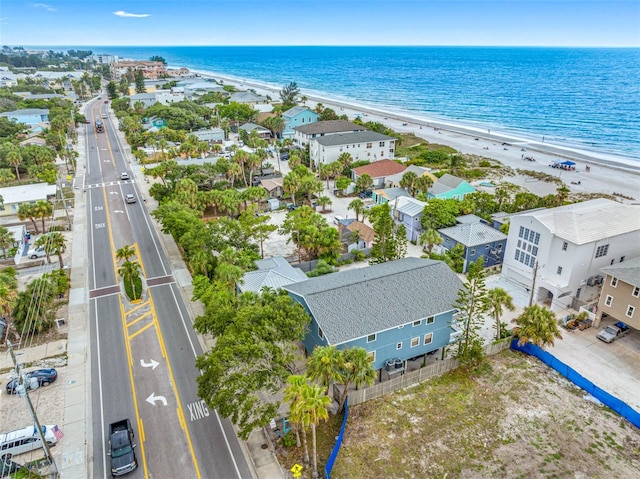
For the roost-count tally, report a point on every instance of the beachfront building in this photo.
(395, 310)
(14, 196)
(450, 187)
(197, 89)
(565, 248)
(394, 180)
(248, 98)
(407, 211)
(620, 296)
(305, 133)
(150, 70)
(478, 239)
(378, 171)
(103, 59)
(32, 117)
(361, 145)
(297, 116)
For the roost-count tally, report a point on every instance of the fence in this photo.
(336, 447)
(415, 377)
(576, 378)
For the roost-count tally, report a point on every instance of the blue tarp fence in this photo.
(336, 448)
(579, 380)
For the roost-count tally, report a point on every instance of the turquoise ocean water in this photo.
(586, 98)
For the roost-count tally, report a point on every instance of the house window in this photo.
(399, 346)
(428, 338)
(371, 338)
(371, 355)
(602, 250)
(608, 301)
(431, 319)
(612, 261)
(417, 323)
(636, 292)
(473, 251)
(320, 333)
(630, 310)
(369, 145)
(527, 252)
(381, 144)
(401, 326)
(565, 245)
(621, 259)
(415, 342)
(559, 270)
(614, 282)
(578, 291)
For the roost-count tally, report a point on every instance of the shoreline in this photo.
(415, 121)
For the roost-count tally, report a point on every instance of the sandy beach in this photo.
(605, 174)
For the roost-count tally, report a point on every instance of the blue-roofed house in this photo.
(274, 273)
(395, 310)
(479, 241)
(297, 116)
(32, 117)
(450, 187)
(408, 212)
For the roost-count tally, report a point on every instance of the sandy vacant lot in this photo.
(517, 419)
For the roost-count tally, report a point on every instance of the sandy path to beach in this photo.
(606, 175)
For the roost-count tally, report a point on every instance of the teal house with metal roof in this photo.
(450, 187)
(396, 310)
(297, 116)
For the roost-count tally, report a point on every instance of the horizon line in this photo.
(326, 45)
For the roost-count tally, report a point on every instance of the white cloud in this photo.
(122, 13)
(45, 6)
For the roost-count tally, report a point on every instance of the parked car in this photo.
(124, 176)
(365, 194)
(38, 252)
(129, 198)
(44, 377)
(610, 333)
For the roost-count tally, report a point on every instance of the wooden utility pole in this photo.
(533, 283)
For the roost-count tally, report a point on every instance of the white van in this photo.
(25, 440)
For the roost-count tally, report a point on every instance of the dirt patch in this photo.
(517, 419)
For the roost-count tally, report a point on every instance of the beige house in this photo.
(273, 187)
(620, 296)
(150, 70)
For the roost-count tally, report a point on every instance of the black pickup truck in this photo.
(121, 445)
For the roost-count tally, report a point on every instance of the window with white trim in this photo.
(630, 310)
(527, 251)
(559, 270)
(371, 338)
(602, 250)
(565, 245)
(431, 319)
(614, 282)
(417, 323)
(415, 342)
(636, 292)
(399, 346)
(608, 300)
(428, 338)
(320, 333)
(371, 355)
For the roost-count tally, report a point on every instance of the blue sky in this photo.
(320, 22)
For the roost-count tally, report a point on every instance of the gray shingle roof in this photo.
(353, 137)
(272, 272)
(329, 126)
(473, 234)
(355, 303)
(627, 271)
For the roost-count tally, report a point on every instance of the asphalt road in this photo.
(143, 354)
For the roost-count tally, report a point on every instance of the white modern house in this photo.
(565, 248)
(361, 145)
(305, 133)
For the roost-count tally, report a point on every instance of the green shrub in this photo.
(138, 285)
(289, 439)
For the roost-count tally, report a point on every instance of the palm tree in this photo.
(57, 244)
(562, 194)
(6, 240)
(422, 184)
(14, 158)
(126, 252)
(408, 181)
(130, 271)
(291, 185)
(537, 325)
(28, 211)
(345, 159)
(314, 408)
(293, 395)
(43, 209)
(430, 238)
(357, 205)
(44, 241)
(357, 370)
(8, 291)
(325, 365)
(324, 201)
(497, 299)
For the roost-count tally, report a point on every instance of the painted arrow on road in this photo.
(153, 398)
(153, 364)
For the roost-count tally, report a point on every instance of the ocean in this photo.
(583, 98)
